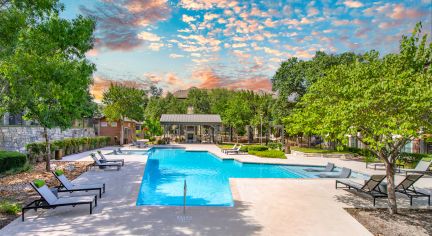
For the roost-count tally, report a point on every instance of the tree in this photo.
(153, 127)
(44, 66)
(199, 100)
(123, 102)
(387, 100)
(155, 91)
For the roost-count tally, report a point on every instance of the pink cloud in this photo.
(118, 22)
(400, 12)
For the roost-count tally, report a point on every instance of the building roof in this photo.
(212, 119)
(181, 94)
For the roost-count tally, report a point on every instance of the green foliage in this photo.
(199, 99)
(59, 172)
(361, 151)
(412, 157)
(7, 207)
(10, 160)
(385, 99)
(39, 182)
(247, 148)
(153, 127)
(277, 146)
(124, 102)
(268, 153)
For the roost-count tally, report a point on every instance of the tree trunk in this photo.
(121, 132)
(231, 134)
(250, 134)
(390, 172)
(48, 150)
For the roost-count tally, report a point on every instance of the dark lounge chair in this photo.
(104, 165)
(345, 173)
(406, 187)
(68, 186)
(370, 187)
(49, 200)
(104, 159)
(329, 168)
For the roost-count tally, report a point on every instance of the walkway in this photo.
(262, 207)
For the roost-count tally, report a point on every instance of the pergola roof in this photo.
(191, 119)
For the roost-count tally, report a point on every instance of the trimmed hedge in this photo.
(247, 148)
(68, 145)
(269, 153)
(11, 160)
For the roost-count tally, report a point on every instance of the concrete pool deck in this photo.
(262, 206)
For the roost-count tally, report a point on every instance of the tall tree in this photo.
(199, 100)
(387, 100)
(123, 102)
(45, 69)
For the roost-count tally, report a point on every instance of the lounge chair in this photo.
(227, 149)
(119, 150)
(104, 159)
(329, 168)
(50, 200)
(406, 187)
(234, 150)
(104, 165)
(370, 187)
(421, 168)
(68, 186)
(345, 173)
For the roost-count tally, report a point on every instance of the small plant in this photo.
(269, 154)
(9, 208)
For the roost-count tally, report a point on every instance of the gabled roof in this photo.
(190, 119)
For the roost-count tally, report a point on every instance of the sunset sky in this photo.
(233, 44)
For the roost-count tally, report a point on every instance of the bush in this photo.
(268, 153)
(152, 139)
(247, 148)
(412, 157)
(361, 151)
(11, 160)
(7, 207)
(277, 146)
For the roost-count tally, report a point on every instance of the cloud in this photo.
(119, 22)
(147, 36)
(155, 46)
(173, 55)
(187, 18)
(400, 12)
(353, 4)
(209, 79)
(102, 84)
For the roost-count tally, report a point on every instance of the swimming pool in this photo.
(207, 177)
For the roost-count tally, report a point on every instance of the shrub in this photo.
(247, 148)
(361, 151)
(268, 153)
(152, 139)
(412, 157)
(11, 160)
(7, 207)
(277, 146)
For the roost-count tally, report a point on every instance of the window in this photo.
(104, 124)
(407, 148)
(113, 124)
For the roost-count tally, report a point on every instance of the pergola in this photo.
(191, 128)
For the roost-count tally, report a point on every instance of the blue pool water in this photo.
(206, 177)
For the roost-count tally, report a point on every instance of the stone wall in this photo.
(15, 138)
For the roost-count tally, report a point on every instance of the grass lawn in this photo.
(226, 146)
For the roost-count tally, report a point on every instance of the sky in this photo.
(233, 44)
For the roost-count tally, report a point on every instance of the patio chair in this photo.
(234, 150)
(119, 150)
(329, 168)
(67, 186)
(370, 187)
(104, 165)
(345, 173)
(104, 159)
(421, 168)
(49, 200)
(227, 149)
(406, 187)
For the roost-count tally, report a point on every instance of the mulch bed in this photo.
(15, 188)
(407, 222)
